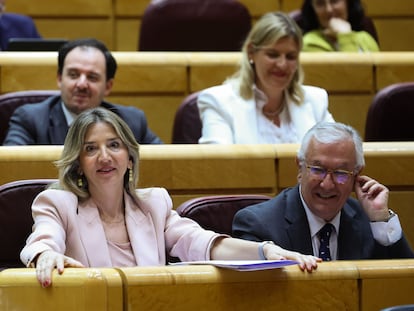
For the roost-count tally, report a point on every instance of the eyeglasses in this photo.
(339, 176)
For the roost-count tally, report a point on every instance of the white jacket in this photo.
(227, 118)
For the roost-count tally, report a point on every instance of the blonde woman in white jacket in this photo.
(265, 100)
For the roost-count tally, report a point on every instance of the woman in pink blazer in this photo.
(94, 216)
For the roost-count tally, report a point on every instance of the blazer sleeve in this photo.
(216, 116)
(49, 224)
(21, 128)
(318, 98)
(178, 236)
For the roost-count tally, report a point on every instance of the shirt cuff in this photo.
(387, 233)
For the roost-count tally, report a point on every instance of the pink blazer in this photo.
(63, 224)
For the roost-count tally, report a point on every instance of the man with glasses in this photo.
(318, 216)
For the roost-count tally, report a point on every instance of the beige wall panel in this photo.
(394, 34)
(29, 77)
(72, 28)
(159, 110)
(61, 8)
(350, 109)
(127, 34)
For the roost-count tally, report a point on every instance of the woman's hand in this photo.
(336, 26)
(47, 261)
(305, 262)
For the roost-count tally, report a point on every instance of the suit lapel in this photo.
(302, 116)
(58, 127)
(92, 235)
(297, 223)
(350, 235)
(141, 233)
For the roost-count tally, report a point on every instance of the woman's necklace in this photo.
(272, 114)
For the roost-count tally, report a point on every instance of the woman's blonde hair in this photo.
(69, 165)
(269, 29)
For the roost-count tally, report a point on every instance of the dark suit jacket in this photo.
(16, 26)
(283, 220)
(44, 123)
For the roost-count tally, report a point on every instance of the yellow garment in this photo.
(355, 41)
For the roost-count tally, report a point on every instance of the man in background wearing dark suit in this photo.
(318, 216)
(15, 26)
(86, 71)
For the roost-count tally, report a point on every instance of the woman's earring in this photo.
(251, 61)
(131, 175)
(80, 181)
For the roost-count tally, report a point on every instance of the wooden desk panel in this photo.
(393, 33)
(76, 289)
(159, 110)
(343, 73)
(402, 202)
(130, 7)
(258, 8)
(395, 8)
(350, 109)
(28, 162)
(74, 28)
(385, 283)
(127, 34)
(205, 288)
(392, 67)
(75, 8)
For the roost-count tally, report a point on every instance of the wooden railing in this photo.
(369, 285)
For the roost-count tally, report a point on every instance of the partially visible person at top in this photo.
(319, 215)
(85, 75)
(335, 25)
(265, 100)
(14, 25)
(94, 216)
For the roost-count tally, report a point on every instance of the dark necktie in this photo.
(324, 235)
